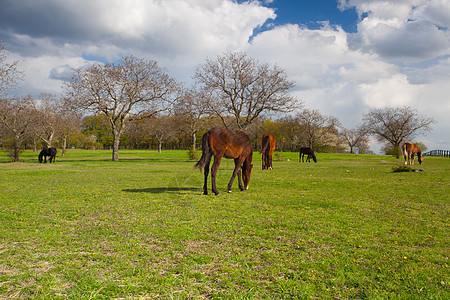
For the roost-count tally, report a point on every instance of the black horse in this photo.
(309, 152)
(47, 152)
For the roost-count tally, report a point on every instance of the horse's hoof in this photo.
(229, 191)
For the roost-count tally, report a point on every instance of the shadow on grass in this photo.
(162, 190)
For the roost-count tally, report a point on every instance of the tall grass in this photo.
(346, 227)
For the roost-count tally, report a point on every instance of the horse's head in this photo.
(420, 157)
(314, 158)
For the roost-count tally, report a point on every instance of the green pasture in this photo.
(347, 227)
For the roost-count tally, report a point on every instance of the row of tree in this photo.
(136, 104)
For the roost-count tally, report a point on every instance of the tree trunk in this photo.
(64, 145)
(115, 154)
(194, 141)
(159, 147)
(16, 154)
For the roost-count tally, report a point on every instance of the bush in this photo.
(192, 154)
(402, 169)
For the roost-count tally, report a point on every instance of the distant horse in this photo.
(229, 144)
(409, 151)
(308, 151)
(47, 152)
(267, 146)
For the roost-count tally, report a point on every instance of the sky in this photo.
(346, 57)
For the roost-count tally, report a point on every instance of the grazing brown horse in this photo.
(409, 151)
(229, 144)
(267, 146)
(308, 151)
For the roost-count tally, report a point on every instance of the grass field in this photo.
(346, 227)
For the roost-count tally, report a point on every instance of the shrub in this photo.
(402, 169)
(192, 154)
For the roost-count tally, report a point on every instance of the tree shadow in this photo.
(161, 190)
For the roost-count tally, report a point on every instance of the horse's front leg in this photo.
(237, 170)
(241, 186)
(412, 159)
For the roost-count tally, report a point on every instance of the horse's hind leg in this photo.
(206, 173)
(214, 169)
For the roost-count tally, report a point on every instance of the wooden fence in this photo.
(443, 153)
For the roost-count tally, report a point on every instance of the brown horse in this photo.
(409, 151)
(267, 146)
(229, 144)
(308, 151)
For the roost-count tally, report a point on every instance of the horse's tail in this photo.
(265, 144)
(404, 152)
(41, 155)
(206, 153)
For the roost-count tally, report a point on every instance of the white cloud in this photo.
(338, 73)
(403, 30)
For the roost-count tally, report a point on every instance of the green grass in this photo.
(346, 227)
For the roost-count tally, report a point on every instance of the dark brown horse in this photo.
(267, 146)
(42, 157)
(229, 144)
(308, 151)
(409, 151)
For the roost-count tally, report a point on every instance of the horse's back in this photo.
(410, 148)
(306, 150)
(269, 142)
(273, 142)
(230, 144)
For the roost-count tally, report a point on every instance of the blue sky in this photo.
(311, 12)
(346, 57)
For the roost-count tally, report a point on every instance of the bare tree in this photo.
(16, 118)
(163, 128)
(395, 125)
(47, 118)
(9, 74)
(241, 87)
(355, 138)
(193, 108)
(130, 90)
(316, 126)
(69, 124)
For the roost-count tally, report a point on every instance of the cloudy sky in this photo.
(345, 56)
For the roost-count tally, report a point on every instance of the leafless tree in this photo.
(163, 128)
(47, 118)
(395, 125)
(130, 90)
(69, 124)
(241, 87)
(355, 138)
(192, 110)
(316, 127)
(16, 118)
(10, 75)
